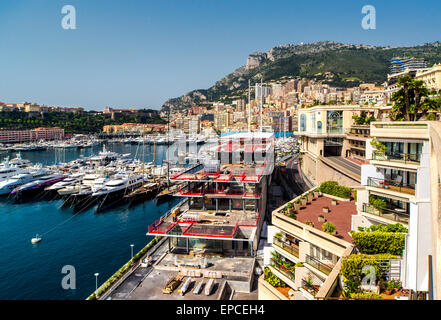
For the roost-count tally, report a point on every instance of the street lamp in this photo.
(131, 247)
(96, 282)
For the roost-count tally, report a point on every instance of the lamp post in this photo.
(96, 282)
(131, 247)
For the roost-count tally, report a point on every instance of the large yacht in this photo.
(37, 185)
(20, 179)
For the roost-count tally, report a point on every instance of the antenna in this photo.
(249, 106)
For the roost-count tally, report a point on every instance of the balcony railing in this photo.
(325, 268)
(413, 158)
(220, 192)
(335, 130)
(283, 269)
(397, 214)
(288, 248)
(392, 185)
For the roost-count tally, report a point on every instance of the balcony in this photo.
(392, 185)
(286, 269)
(407, 158)
(294, 250)
(325, 268)
(227, 192)
(397, 214)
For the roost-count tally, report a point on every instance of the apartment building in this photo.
(399, 64)
(222, 120)
(225, 198)
(301, 254)
(17, 136)
(404, 174)
(431, 77)
(323, 132)
(357, 136)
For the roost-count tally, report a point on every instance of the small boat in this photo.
(37, 239)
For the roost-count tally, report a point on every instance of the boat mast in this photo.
(143, 138)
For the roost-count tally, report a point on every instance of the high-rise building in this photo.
(400, 64)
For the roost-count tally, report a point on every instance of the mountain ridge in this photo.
(348, 64)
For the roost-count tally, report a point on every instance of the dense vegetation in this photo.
(334, 189)
(83, 122)
(376, 242)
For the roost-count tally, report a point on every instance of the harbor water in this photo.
(89, 242)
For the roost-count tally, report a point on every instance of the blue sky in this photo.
(140, 53)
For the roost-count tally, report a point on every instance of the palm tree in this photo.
(404, 83)
(413, 100)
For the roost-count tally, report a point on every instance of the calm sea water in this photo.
(91, 242)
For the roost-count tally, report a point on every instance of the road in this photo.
(293, 177)
(126, 288)
(346, 164)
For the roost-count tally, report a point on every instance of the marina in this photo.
(44, 235)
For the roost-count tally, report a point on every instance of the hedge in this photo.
(334, 189)
(273, 280)
(352, 266)
(366, 296)
(121, 271)
(379, 242)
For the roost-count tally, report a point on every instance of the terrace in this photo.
(198, 223)
(392, 185)
(227, 173)
(311, 213)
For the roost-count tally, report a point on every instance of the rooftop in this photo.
(340, 215)
(220, 224)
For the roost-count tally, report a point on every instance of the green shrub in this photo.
(292, 215)
(352, 270)
(273, 279)
(289, 205)
(329, 227)
(299, 264)
(366, 296)
(379, 242)
(334, 189)
(395, 228)
(377, 202)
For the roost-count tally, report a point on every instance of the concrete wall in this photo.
(319, 172)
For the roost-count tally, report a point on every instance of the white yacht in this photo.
(71, 180)
(118, 184)
(18, 180)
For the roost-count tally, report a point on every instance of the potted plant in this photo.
(309, 284)
(304, 201)
(388, 287)
(297, 204)
(321, 218)
(292, 215)
(309, 223)
(325, 209)
(278, 236)
(309, 197)
(396, 285)
(290, 207)
(330, 228)
(334, 202)
(316, 193)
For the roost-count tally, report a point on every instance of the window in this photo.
(303, 122)
(319, 127)
(335, 122)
